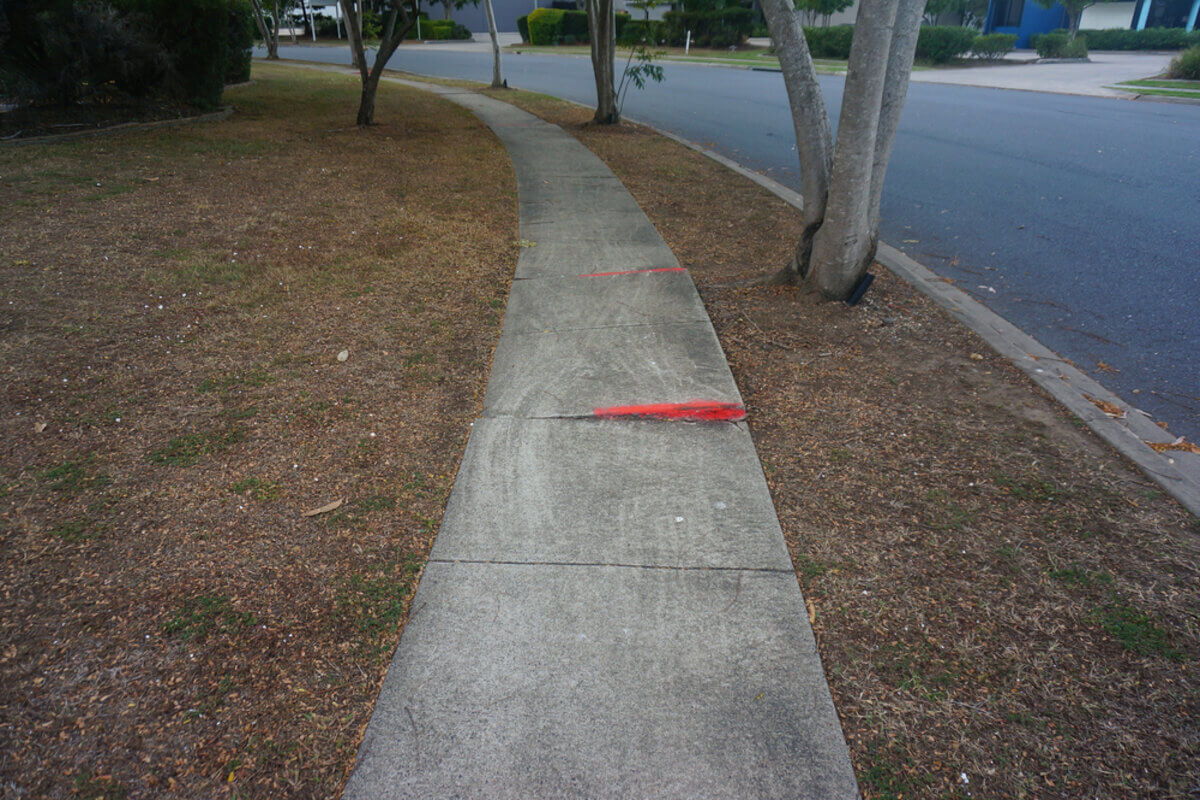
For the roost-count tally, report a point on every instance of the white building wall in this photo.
(1103, 16)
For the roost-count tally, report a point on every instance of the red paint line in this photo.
(692, 411)
(632, 272)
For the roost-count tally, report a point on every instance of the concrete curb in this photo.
(1178, 474)
(125, 127)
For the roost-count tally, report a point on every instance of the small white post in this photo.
(418, 26)
(687, 45)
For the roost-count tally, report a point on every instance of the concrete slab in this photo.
(519, 681)
(571, 373)
(563, 259)
(561, 304)
(643, 493)
(611, 227)
(580, 204)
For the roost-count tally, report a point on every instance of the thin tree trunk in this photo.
(397, 25)
(895, 89)
(814, 136)
(601, 24)
(447, 8)
(354, 34)
(497, 79)
(264, 30)
(845, 243)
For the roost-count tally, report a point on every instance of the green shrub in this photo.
(241, 41)
(1060, 45)
(831, 42)
(993, 46)
(622, 19)
(575, 25)
(545, 26)
(523, 27)
(1148, 39)
(1186, 65)
(196, 34)
(721, 27)
(940, 44)
(653, 32)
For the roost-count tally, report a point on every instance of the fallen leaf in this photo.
(1111, 409)
(38, 427)
(812, 611)
(1100, 365)
(323, 509)
(1178, 444)
(976, 357)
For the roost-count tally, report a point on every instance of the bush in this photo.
(523, 27)
(993, 46)
(653, 32)
(241, 41)
(545, 26)
(622, 19)
(1186, 65)
(831, 42)
(722, 27)
(196, 34)
(940, 44)
(574, 26)
(1060, 45)
(72, 51)
(442, 29)
(1148, 39)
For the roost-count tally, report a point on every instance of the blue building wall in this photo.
(1034, 19)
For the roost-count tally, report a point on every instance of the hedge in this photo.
(1059, 45)
(722, 27)
(523, 27)
(993, 46)
(637, 30)
(1148, 39)
(545, 26)
(442, 29)
(831, 42)
(242, 31)
(940, 44)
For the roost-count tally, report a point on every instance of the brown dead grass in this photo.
(1004, 607)
(172, 305)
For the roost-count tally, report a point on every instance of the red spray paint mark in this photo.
(691, 411)
(632, 272)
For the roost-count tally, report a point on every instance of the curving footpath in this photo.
(609, 609)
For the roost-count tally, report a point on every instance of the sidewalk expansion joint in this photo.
(664, 567)
(614, 326)
(597, 416)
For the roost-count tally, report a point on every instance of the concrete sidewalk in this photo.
(609, 609)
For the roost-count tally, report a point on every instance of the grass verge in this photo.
(171, 625)
(1004, 607)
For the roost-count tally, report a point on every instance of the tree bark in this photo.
(399, 22)
(603, 36)
(845, 243)
(810, 120)
(497, 80)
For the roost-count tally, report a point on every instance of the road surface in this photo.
(1077, 218)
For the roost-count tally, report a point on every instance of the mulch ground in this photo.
(1004, 607)
(173, 305)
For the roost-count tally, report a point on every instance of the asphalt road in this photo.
(1076, 218)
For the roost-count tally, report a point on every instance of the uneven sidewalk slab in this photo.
(637, 493)
(522, 681)
(610, 609)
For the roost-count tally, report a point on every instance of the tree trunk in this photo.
(397, 25)
(601, 24)
(810, 120)
(497, 80)
(895, 89)
(447, 9)
(270, 41)
(845, 244)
